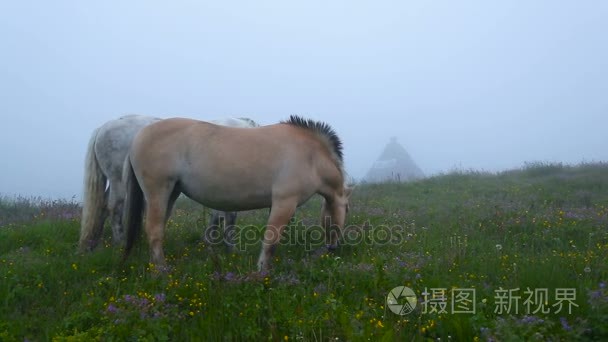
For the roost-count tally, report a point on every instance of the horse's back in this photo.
(264, 147)
(226, 168)
(114, 139)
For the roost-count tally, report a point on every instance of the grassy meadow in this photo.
(528, 247)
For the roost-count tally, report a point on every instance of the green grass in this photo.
(541, 227)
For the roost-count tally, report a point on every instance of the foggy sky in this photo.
(482, 85)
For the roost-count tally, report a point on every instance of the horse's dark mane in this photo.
(322, 129)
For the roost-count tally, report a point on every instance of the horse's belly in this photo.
(227, 199)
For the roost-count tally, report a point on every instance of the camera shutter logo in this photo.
(402, 300)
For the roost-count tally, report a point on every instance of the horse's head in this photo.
(334, 215)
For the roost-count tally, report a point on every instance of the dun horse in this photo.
(106, 153)
(278, 167)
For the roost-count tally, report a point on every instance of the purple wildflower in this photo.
(143, 302)
(565, 324)
(595, 296)
(531, 320)
(230, 277)
(112, 309)
(67, 215)
(160, 297)
(572, 215)
(288, 279)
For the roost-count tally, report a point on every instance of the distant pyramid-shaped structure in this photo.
(393, 165)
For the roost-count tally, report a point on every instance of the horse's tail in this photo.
(134, 206)
(94, 199)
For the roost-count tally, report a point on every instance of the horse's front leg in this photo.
(280, 213)
(230, 233)
(211, 235)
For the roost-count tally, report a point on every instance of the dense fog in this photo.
(466, 85)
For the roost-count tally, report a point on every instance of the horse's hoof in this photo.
(232, 249)
(160, 269)
(331, 248)
(319, 252)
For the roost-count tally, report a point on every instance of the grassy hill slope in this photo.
(531, 245)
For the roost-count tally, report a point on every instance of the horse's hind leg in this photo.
(158, 207)
(172, 198)
(280, 213)
(116, 204)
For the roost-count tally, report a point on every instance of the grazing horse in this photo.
(106, 153)
(278, 167)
